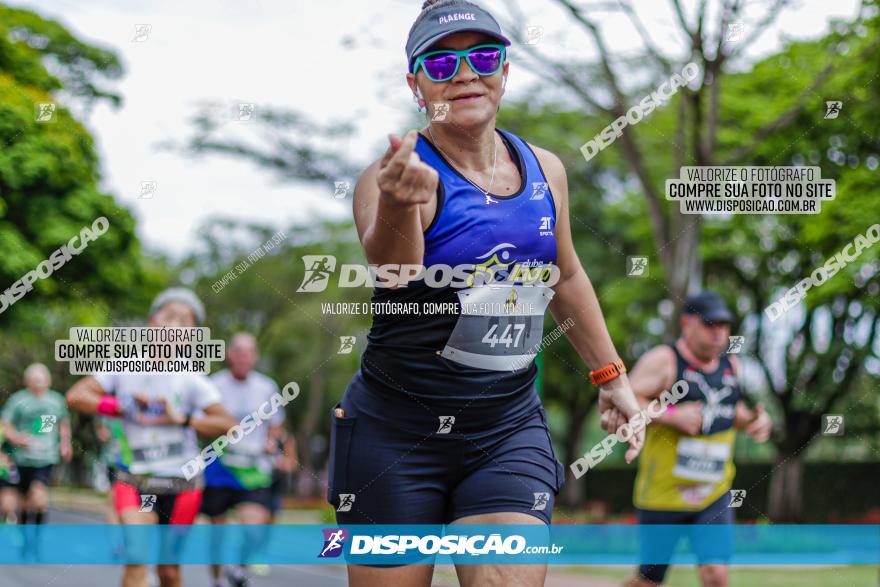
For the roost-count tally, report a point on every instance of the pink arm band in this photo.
(670, 408)
(108, 405)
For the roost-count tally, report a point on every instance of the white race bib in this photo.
(700, 460)
(155, 447)
(500, 327)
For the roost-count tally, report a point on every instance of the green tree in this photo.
(822, 356)
(48, 193)
(49, 172)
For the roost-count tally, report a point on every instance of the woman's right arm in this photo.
(388, 202)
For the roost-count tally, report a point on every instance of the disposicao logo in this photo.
(334, 540)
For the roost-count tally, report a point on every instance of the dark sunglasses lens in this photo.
(441, 66)
(485, 61)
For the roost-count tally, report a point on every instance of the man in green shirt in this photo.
(36, 424)
(8, 483)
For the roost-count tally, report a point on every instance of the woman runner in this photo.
(442, 423)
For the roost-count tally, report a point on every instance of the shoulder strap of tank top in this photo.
(679, 358)
(525, 152)
(725, 362)
(429, 153)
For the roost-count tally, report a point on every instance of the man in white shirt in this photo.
(242, 476)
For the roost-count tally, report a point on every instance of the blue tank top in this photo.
(481, 351)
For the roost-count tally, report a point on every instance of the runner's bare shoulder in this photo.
(658, 367)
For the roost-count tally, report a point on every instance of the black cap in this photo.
(440, 22)
(709, 306)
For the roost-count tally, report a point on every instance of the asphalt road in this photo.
(193, 575)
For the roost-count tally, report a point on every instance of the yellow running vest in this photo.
(687, 473)
(683, 473)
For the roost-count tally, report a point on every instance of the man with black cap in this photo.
(686, 467)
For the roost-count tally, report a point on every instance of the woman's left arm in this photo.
(575, 299)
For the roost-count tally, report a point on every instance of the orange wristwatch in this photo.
(608, 372)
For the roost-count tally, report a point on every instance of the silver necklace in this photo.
(494, 162)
